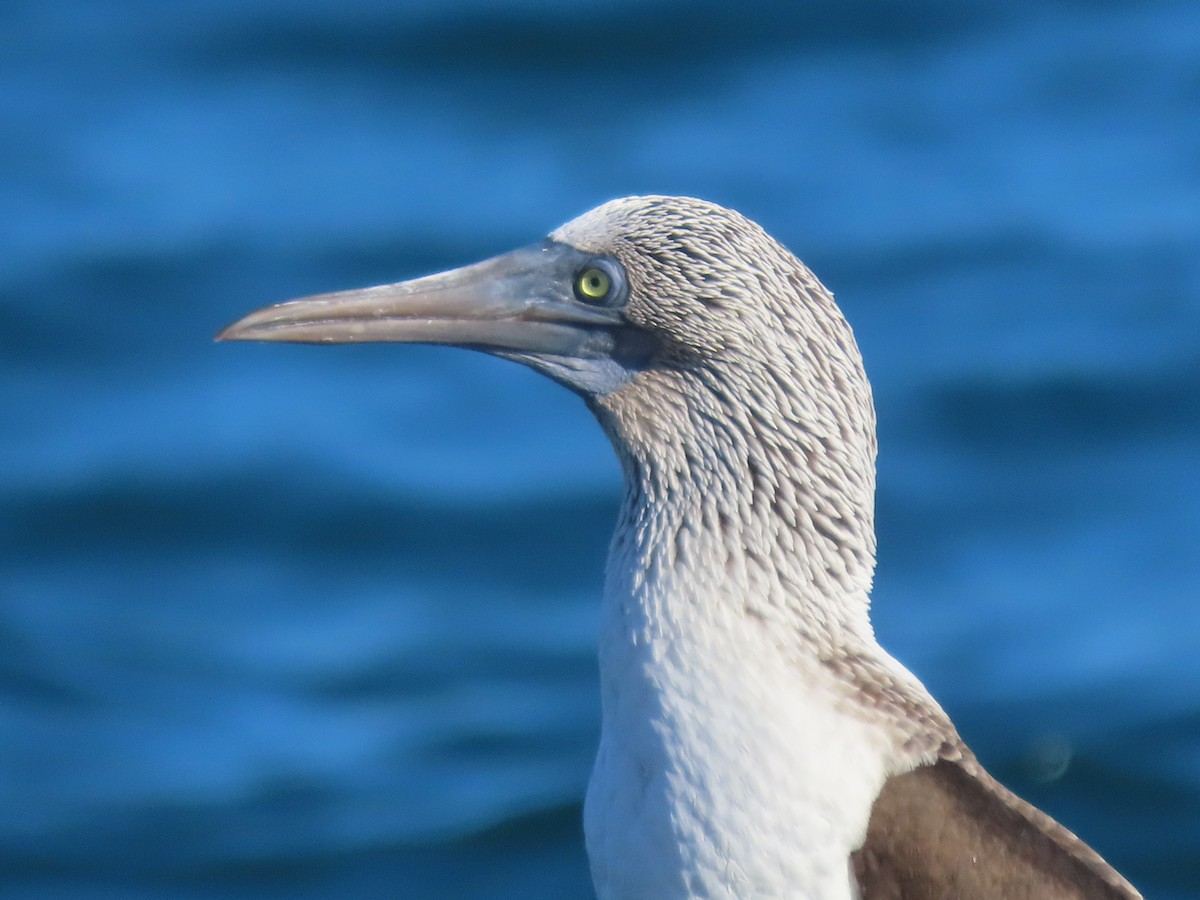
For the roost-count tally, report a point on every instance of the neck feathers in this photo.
(750, 492)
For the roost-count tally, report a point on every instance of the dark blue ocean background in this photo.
(283, 621)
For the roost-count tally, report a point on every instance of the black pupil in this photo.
(595, 283)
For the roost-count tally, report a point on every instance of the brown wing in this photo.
(949, 831)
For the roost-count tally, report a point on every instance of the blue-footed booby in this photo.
(756, 740)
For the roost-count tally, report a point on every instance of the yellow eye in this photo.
(593, 283)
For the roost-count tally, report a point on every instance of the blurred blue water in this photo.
(286, 621)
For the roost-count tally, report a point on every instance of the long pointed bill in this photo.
(514, 305)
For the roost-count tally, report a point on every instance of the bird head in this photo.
(638, 289)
